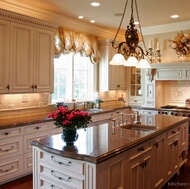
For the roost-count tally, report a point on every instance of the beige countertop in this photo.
(98, 143)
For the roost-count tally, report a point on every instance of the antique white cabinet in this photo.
(110, 77)
(4, 54)
(26, 55)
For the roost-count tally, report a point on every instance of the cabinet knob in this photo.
(118, 86)
(32, 86)
(8, 87)
(35, 86)
(156, 144)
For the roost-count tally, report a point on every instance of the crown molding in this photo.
(58, 20)
(166, 28)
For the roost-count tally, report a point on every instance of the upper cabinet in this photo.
(110, 77)
(29, 52)
(4, 55)
(135, 86)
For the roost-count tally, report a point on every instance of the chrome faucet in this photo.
(122, 119)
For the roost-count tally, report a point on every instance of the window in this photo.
(74, 77)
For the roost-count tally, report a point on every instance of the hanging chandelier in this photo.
(129, 52)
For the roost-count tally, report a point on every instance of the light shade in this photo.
(118, 59)
(131, 62)
(143, 63)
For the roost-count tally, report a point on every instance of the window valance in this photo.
(67, 40)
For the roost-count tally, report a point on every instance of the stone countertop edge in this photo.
(108, 155)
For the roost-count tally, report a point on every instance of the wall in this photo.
(168, 54)
(172, 92)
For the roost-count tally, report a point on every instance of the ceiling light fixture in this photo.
(130, 48)
(80, 17)
(95, 4)
(174, 16)
(92, 21)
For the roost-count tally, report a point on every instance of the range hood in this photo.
(171, 71)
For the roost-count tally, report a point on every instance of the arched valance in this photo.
(67, 40)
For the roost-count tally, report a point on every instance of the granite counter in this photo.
(96, 144)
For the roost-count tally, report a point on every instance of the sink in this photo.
(138, 127)
(94, 110)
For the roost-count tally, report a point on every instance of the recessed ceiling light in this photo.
(95, 4)
(136, 23)
(174, 16)
(80, 17)
(92, 21)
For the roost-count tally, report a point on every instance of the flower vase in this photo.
(69, 136)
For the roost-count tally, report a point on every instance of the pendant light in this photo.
(133, 55)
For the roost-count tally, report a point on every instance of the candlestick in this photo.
(158, 46)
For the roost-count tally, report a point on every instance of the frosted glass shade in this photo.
(131, 62)
(117, 59)
(143, 63)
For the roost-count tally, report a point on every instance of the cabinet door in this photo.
(159, 154)
(43, 71)
(4, 54)
(172, 149)
(139, 167)
(21, 58)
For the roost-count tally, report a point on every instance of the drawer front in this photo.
(100, 117)
(28, 162)
(6, 133)
(173, 132)
(64, 163)
(37, 128)
(66, 178)
(47, 183)
(140, 150)
(11, 168)
(29, 138)
(11, 147)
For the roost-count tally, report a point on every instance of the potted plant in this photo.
(98, 101)
(70, 121)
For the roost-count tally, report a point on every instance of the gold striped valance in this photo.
(67, 40)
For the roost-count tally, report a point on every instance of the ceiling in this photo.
(151, 12)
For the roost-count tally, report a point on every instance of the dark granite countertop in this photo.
(101, 142)
(24, 120)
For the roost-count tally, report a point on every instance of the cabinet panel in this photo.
(4, 54)
(111, 77)
(172, 74)
(21, 58)
(43, 74)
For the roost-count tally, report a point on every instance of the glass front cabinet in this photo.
(135, 86)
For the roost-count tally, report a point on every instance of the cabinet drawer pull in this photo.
(140, 149)
(59, 162)
(60, 178)
(7, 170)
(175, 143)
(36, 128)
(6, 149)
(156, 144)
(173, 132)
(6, 133)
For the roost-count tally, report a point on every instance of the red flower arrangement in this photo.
(70, 119)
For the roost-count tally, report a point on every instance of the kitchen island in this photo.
(106, 156)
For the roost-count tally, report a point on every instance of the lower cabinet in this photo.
(139, 167)
(16, 150)
(159, 155)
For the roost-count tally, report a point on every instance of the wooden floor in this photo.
(177, 182)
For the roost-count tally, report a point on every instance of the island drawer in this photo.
(140, 150)
(63, 177)
(173, 132)
(46, 182)
(65, 164)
